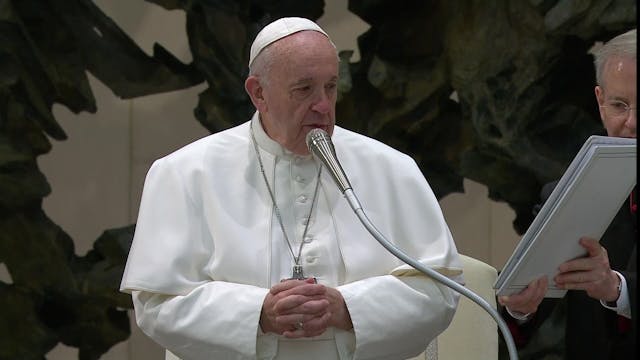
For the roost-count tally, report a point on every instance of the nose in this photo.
(631, 118)
(322, 103)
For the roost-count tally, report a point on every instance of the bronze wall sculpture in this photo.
(520, 71)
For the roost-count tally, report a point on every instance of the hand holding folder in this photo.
(583, 203)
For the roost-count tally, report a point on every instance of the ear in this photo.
(600, 98)
(254, 89)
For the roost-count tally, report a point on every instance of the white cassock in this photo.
(208, 246)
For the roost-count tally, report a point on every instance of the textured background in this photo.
(497, 93)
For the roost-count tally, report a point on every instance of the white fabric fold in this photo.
(202, 252)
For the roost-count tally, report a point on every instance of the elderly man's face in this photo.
(301, 90)
(617, 97)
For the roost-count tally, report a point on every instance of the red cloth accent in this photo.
(519, 338)
(623, 325)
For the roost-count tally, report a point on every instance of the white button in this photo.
(305, 221)
(302, 198)
(311, 259)
(308, 239)
(299, 179)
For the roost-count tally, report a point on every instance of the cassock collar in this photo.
(271, 146)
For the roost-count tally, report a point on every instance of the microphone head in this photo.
(316, 136)
(321, 147)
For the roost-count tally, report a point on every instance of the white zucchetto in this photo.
(278, 29)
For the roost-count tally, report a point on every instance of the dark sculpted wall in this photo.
(500, 92)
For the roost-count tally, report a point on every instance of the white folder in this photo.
(583, 203)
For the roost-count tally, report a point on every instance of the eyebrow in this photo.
(620, 98)
(305, 81)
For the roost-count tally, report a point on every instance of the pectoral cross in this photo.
(297, 273)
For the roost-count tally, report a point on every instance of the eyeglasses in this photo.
(617, 109)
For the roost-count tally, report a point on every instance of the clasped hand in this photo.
(302, 308)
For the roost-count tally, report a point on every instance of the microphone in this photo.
(321, 147)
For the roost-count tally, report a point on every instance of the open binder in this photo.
(583, 203)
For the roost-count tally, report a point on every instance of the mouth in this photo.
(316, 126)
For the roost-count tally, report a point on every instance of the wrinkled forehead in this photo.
(619, 64)
(619, 78)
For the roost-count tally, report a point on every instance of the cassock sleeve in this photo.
(177, 303)
(397, 314)
(397, 317)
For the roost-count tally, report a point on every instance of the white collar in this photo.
(268, 144)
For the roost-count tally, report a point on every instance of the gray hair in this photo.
(261, 65)
(623, 45)
(264, 61)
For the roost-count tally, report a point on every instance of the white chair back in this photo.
(473, 333)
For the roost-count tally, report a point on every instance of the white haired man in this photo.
(603, 283)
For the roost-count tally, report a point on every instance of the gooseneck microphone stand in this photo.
(320, 145)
